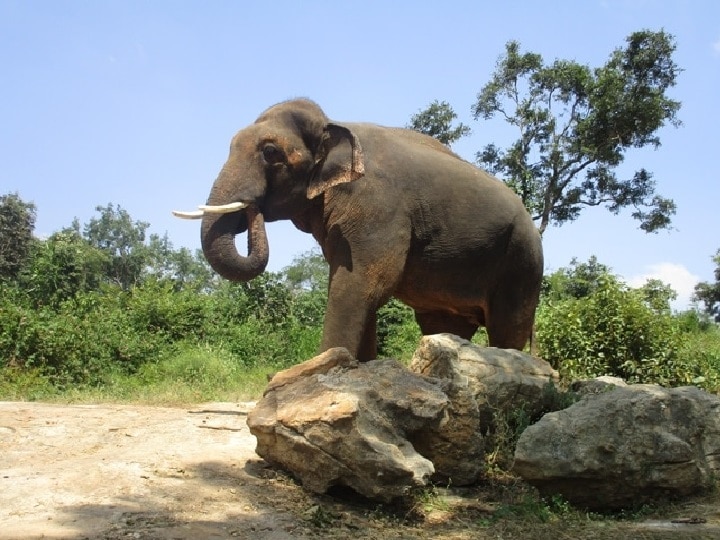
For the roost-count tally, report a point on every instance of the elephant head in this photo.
(277, 167)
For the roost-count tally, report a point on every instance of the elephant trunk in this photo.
(218, 243)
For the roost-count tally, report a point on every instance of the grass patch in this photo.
(193, 374)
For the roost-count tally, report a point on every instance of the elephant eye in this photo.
(272, 154)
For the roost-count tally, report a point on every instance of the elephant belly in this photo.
(444, 292)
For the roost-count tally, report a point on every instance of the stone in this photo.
(597, 385)
(374, 427)
(318, 365)
(624, 447)
(456, 446)
(500, 380)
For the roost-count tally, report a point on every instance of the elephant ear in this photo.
(339, 160)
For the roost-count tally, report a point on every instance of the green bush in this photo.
(699, 356)
(397, 332)
(255, 343)
(157, 309)
(612, 331)
(80, 343)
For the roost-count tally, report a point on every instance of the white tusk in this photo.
(223, 208)
(195, 214)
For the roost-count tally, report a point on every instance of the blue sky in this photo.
(135, 102)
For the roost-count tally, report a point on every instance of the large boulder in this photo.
(625, 446)
(374, 427)
(500, 380)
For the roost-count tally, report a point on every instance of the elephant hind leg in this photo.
(510, 330)
(436, 322)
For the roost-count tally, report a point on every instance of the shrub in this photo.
(612, 331)
(255, 342)
(699, 357)
(397, 332)
(157, 309)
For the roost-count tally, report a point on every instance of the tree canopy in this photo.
(17, 223)
(575, 125)
(709, 293)
(437, 121)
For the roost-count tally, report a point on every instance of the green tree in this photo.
(123, 241)
(268, 298)
(182, 267)
(308, 271)
(658, 295)
(17, 222)
(709, 293)
(578, 280)
(582, 279)
(575, 125)
(437, 121)
(307, 280)
(62, 266)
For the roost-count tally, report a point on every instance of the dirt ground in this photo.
(123, 471)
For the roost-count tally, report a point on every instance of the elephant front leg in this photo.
(351, 315)
(351, 322)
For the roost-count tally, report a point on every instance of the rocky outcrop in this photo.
(374, 427)
(624, 446)
(499, 379)
(382, 429)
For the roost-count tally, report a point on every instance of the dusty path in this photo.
(118, 471)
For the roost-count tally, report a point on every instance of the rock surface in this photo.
(597, 385)
(624, 447)
(498, 379)
(374, 427)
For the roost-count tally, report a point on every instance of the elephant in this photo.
(396, 214)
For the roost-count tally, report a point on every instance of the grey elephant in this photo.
(395, 212)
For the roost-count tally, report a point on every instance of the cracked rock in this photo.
(624, 447)
(374, 427)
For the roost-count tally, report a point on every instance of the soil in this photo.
(124, 471)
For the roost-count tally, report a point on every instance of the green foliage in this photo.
(694, 322)
(658, 295)
(122, 240)
(61, 267)
(437, 120)
(308, 272)
(79, 342)
(18, 384)
(709, 293)
(699, 359)
(17, 222)
(397, 332)
(98, 335)
(182, 267)
(589, 323)
(575, 125)
(578, 280)
(610, 332)
(530, 507)
(255, 343)
(89, 310)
